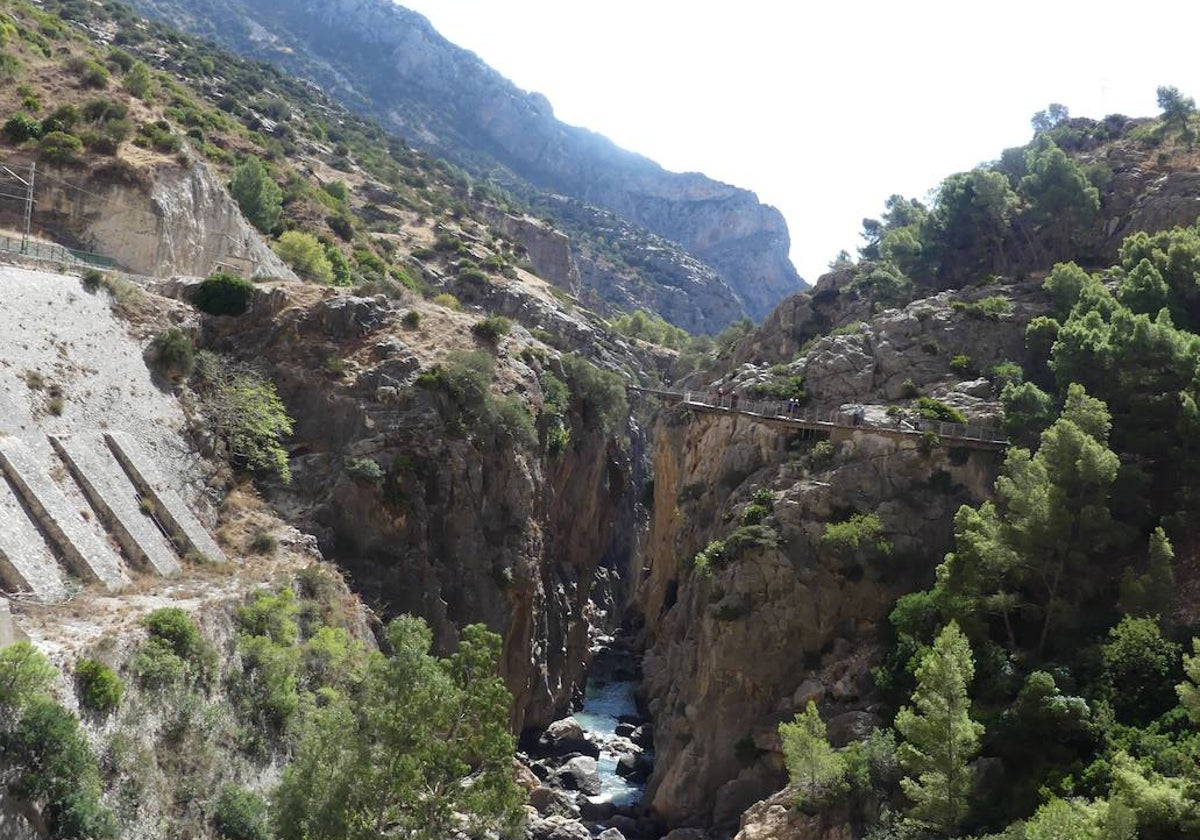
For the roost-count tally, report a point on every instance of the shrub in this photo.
(963, 364)
(100, 689)
(24, 674)
(92, 280)
(932, 409)
(909, 389)
(784, 388)
(157, 666)
(712, 555)
(257, 194)
(492, 328)
(264, 542)
(366, 470)
(305, 255)
(60, 147)
(22, 127)
(1003, 373)
(91, 73)
(599, 395)
(991, 308)
(174, 352)
(246, 413)
(749, 537)
(861, 531)
(137, 80)
(223, 294)
(240, 815)
(411, 319)
(176, 628)
(754, 513)
(449, 301)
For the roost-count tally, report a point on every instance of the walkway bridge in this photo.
(781, 415)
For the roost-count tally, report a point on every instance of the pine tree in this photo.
(939, 736)
(813, 765)
(1189, 689)
(258, 196)
(1150, 593)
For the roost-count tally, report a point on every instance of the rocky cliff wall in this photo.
(158, 219)
(732, 652)
(463, 526)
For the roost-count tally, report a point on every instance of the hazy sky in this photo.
(825, 109)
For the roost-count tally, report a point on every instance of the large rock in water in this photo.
(580, 773)
(566, 736)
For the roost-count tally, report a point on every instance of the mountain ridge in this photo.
(391, 63)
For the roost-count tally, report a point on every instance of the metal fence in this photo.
(775, 410)
(58, 254)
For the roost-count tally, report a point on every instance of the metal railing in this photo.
(784, 411)
(51, 253)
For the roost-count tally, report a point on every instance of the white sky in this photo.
(826, 108)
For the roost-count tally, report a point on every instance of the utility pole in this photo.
(28, 201)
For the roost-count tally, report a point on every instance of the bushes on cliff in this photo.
(465, 379)
(598, 396)
(100, 689)
(862, 532)
(245, 412)
(46, 753)
(423, 747)
(223, 294)
(305, 255)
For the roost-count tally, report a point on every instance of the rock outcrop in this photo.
(462, 526)
(159, 219)
(740, 642)
(389, 62)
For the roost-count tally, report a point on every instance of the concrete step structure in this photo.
(27, 565)
(87, 556)
(116, 502)
(185, 529)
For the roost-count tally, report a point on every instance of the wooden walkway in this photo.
(970, 435)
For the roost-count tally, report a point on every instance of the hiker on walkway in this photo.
(733, 400)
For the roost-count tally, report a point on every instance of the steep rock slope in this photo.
(738, 641)
(390, 62)
(464, 523)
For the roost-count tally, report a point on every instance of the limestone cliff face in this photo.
(462, 527)
(732, 653)
(157, 220)
(389, 62)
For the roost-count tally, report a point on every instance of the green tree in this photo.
(1177, 111)
(424, 744)
(246, 412)
(967, 228)
(1150, 593)
(305, 255)
(257, 194)
(813, 766)
(1188, 691)
(940, 739)
(1140, 669)
(137, 80)
(1078, 819)
(1061, 199)
(1032, 550)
